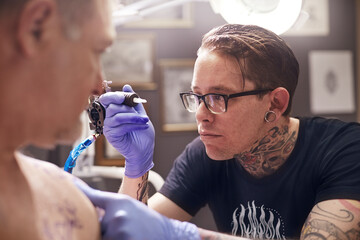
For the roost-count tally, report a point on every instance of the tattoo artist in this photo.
(264, 174)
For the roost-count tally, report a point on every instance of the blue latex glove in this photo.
(126, 218)
(129, 130)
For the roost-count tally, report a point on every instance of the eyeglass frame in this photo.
(225, 96)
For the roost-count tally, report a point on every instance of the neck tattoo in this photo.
(269, 153)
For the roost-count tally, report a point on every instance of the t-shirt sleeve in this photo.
(340, 168)
(186, 183)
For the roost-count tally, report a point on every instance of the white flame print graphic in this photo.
(259, 229)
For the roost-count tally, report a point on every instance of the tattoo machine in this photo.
(96, 114)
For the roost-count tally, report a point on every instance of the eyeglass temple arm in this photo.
(254, 92)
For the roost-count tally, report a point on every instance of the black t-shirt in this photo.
(325, 164)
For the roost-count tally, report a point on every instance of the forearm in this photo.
(333, 219)
(136, 187)
(210, 235)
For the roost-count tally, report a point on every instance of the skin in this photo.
(260, 147)
(217, 130)
(46, 78)
(333, 219)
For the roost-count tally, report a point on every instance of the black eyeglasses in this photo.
(215, 102)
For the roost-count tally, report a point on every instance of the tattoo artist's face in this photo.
(234, 131)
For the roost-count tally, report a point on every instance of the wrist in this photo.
(136, 170)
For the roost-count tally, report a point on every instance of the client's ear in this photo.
(36, 22)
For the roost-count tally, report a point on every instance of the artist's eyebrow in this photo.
(213, 89)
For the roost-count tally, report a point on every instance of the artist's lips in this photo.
(208, 135)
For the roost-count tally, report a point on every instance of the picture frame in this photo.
(107, 155)
(130, 60)
(179, 16)
(176, 77)
(331, 82)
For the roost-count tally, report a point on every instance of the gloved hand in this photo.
(126, 218)
(129, 130)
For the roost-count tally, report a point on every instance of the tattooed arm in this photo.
(333, 219)
(136, 187)
(168, 208)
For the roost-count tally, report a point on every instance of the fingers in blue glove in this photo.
(92, 194)
(114, 109)
(126, 218)
(111, 98)
(127, 88)
(125, 118)
(118, 98)
(100, 198)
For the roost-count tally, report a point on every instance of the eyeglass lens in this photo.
(191, 102)
(215, 103)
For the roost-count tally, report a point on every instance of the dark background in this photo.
(184, 42)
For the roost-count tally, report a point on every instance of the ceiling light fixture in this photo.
(275, 15)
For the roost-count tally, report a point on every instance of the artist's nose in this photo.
(202, 113)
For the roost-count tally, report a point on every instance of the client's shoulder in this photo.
(61, 205)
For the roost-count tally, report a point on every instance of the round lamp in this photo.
(275, 15)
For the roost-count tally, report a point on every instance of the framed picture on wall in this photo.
(176, 76)
(169, 16)
(106, 154)
(331, 82)
(130, 60)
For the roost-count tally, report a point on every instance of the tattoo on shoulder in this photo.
(63, 224)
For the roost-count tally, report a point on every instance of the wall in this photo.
(183, 43)
(342, 37)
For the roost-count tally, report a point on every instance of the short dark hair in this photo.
(8, 7)
(263, 57)
(72, 11)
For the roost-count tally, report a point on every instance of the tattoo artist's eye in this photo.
(217, 97)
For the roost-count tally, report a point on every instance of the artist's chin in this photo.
(216, 154)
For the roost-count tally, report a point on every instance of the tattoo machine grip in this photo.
(132, 99)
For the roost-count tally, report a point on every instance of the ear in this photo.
(34, 23)
(279, 101)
